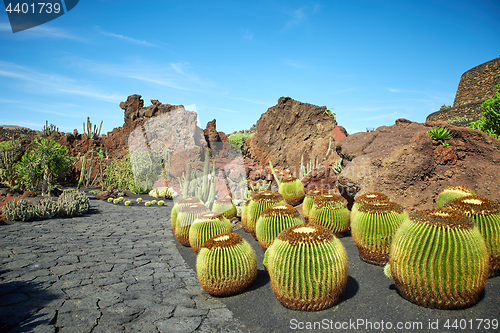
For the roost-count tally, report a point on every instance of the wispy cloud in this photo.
(296, 17)
(126, 38)
(41, 31)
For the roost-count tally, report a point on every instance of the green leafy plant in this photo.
(119, 174)
(10, 153)
(440, 133)
(329, 113)
(489, 122)
(237, 140)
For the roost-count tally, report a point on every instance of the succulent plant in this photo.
(309, 200)
(110, 199)
(205, 226)
(330, 211)
(153, 202)
(120, 199)
(181, 203)
(452, 192)
(369, 197)
(185, 218)
(226, 265)
(139, 200)
(244, 216)
(116, 201)
(226, 207)
(274, 220)
(373, 227)
(258, 202)
(19, 211)
(439, 259)
(162, 192)
(292, 191)
(308, 267)
(147, 203)
(161, 203)
(128, 203)
(486, 216)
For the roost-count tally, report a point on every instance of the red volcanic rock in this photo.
(339, 133)
(320, 178)
(104, 195)
(445, 155)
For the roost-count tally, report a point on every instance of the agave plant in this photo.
(440, 133)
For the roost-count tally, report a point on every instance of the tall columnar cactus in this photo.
(452, 192)
(373, 228)
(185, 218)
(274, 220)
(181, 203)
(258, 202)
(308, 267)
(439, 259)
(486, 215)
(292, 191)
(369, 197)
(330, 211)
(309, 200)
(226, 207)
(226, 265)
(207, 225)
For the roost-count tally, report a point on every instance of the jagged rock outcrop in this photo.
(290, 129)
(403, 162)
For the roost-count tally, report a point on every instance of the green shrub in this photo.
(119, 174)
(10, 154)
(237, 139)
(489, 123)
(440, 133)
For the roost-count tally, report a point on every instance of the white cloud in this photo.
(43, 30)
(126, 38)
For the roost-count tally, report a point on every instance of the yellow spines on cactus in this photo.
(369, 197)
(178, 205)
(274, 220)
(244, 216)
(452, 192)
(330, 211)
(439, 259)
(308, 267)
(292, 191)
(226, 207)
(207, 225)
(373, 228)
(226, 265)
(259, 201)
(185, 218)
(309, 200)
(486, 215)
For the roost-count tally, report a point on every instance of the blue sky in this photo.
(371, 61)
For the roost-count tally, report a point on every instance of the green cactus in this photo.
(274, 220)
(309, 200)
(369, 197)
(139, 200)
(373, 228)
(181, 203)
(185, 217)
(330, 211)
(308, 267)
(226, 265)
(452, 192)
(205, 226)
(486, 216)
(110, 199)
(226, 207)
(259, 201)
(128, 203)
(439, 259)
(244, 216)
(147, 204)
(116, 201)
(161, 203)
(292, 191)
(153, 202)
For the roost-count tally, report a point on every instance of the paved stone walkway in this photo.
(114, 269)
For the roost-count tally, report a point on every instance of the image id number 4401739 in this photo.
(34, 7)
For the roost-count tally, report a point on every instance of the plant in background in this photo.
(292, 190)
(119, 174)
(185, 217)
(440, 133)
(309, 200)
(237, 140)
(258, 202)
(10, 153)
(226, 207)
(337, 166)
(330, 114)
(178, 205)
(91, 134)
(41, 166)
(48, 129)
(489, 122)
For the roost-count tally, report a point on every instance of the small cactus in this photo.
(226, 265)
(120, 199)
(116, 201)
(244, 216)
(128, 203)
(308, 267)
(292, 191)
(205, 226)
(309, 200)
(226, 207)
(185, 218)
(110, 199)
(369, 197)
(330, 211)
(274, 220)
(181, 203)
(258, 202)
(147, 203)
(139, 200)
(161, 203)
(153, 202)
(452, 192)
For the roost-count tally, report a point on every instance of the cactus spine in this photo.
(330, 211)
(226, 265)
(185, 218)
(274, 220)
(308, 267)
(258, 202)
(207, 225)
(292, 191)
(309, 200)
(181, 203)
(439, 259)
(369, 197)
(452, 192)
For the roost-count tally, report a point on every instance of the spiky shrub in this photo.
(185, 218)
(307, 266)
(274, 220)
(73, 203)
(439, 259)
(330, 211)
(226, 265)
(369, 197)
(309, 200)
(486, 215)
(292, 191)
(244, 216)
(19, 211)
(181, 203)
(452, 192)
(258, 202)
(373, 228)
(205, 226)
(226, 207)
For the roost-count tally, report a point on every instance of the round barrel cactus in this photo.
(207, 225)
(439, 259)
(452, 192)
(226, 207)
(181, 203)
(486, 215)
(309, 200)
(369, 197)
(258, 202)
(274, 220)
(292, 191)
(185, 218)
(244, 216)
(330, 211)
(373, 228)
(307, 266)
(226, 265)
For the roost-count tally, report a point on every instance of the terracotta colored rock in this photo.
(445, 155)
(320, 178)
(104, 195)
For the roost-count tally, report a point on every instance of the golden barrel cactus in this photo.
(330, 211)
(226, 207)
(292, 191)
(309, 200)
(258, 202)
(178, 205)
(274, 220)
(452, 192)
(369, 197)
(185, 218)
(205, 226)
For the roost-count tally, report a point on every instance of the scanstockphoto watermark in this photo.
(451, 325)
